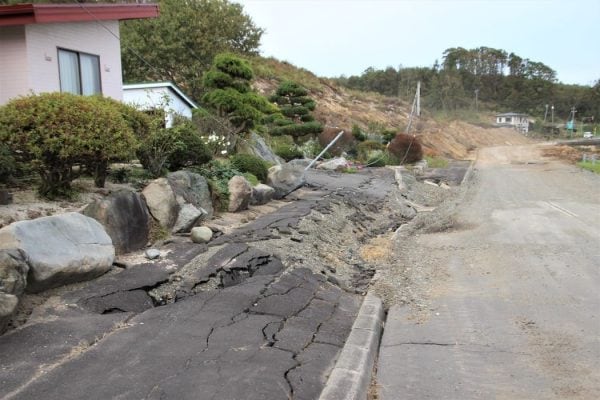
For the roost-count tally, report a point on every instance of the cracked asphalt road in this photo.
(511, 306)
(253, 315)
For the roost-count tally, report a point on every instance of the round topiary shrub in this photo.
(55, 131)
(252, 164)
(406, 148)
(191, 149)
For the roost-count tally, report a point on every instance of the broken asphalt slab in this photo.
(155, 331)
(250, 341)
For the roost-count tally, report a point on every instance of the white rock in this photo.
(152, 254)
(336, 164)
(201, 234)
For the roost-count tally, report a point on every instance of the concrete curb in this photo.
(351, 376)
(470, 169)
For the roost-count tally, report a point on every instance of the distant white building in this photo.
(520, 122)
(159, 95)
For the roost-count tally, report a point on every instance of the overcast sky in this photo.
(335, 37)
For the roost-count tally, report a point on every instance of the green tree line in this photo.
(502, 80)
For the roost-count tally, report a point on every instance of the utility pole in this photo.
(416, 107)
(552, 114)
(399, 81)
(419, 98)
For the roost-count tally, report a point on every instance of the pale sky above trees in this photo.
(335, 37)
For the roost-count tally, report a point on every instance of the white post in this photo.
(339, 135)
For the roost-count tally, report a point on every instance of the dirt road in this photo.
(512, 309)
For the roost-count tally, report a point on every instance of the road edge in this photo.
(351, 376)
(469, 172)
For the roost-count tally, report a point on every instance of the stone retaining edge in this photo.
(351, 376)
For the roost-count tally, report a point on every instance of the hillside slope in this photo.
(341, 107)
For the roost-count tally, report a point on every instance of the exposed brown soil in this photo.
(341, 107)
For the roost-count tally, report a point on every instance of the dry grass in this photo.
(377, 250)
(563, 152)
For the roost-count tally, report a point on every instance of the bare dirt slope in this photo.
(341, 107)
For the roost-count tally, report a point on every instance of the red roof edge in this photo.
(22, 14)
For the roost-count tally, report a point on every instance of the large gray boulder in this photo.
(193, 196)
(240, 193)
(125, 218)
(285, 179)
(60, 249)
(13, 279)
(193, 189)
(187, 217)
(262, 194)
(257, 146)
(161, 202)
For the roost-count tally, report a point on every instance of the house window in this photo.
(79, 72)
(508, 120)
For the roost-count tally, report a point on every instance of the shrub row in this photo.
(54, 132)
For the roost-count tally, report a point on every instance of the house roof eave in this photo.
(23, 14)
(168, 85)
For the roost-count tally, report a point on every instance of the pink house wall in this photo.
(13, 63)
(31, 56)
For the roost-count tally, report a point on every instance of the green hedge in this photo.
(252, 164)
(297, 130)
(55, 131)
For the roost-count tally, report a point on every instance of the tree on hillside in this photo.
(296, 119)
(502, 81)
(181, 43)
(229, 95)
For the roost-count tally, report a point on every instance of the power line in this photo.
(83, 7)
(161, 73)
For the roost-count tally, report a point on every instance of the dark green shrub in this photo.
(154, 152)
(55, 131)
(295, 106)
(252, 164)
(364, 149)
(218, 173)
(230, 96)
(308, 128)
(119, 175)
(377, 159)
(388, 135)
(8, 164)
(358, 133)
(191, 149)
(288, 152)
